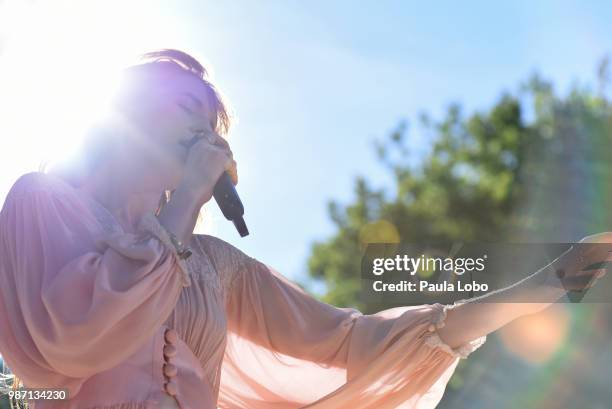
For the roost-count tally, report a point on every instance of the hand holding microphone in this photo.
(209, 156)
(210, 170)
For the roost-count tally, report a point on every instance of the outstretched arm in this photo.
(482, 315)
(284, 346)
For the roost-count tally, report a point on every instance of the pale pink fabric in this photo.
(85, 306)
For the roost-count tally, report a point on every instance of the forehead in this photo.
(185, 84)
(165, 82)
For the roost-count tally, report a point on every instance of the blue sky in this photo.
(314, 83)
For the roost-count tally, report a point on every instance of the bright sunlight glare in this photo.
(57, 72)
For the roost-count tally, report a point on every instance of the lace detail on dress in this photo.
(226, 261)
(239, 268)
(438, 320)
(200, 264)
(150, 224)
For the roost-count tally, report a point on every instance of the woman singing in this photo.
(106, 292)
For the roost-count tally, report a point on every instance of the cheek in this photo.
(163, 161)
(167, 124)
(162, 130)
(168, 159)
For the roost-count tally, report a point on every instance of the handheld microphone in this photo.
(229, 202)
(227, 198)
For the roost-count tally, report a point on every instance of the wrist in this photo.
(550, 282)
(543, 288)
(197, 191)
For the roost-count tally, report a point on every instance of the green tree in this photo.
(536, 166)
(491, 176)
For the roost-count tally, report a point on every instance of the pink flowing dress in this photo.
(119, 321)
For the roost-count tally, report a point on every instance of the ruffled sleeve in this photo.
(74, 300)
(286, 349)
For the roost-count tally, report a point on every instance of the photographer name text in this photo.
(425, 265)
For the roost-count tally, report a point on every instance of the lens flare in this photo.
(58, 71)
(536, 338)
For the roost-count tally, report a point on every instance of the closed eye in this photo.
(185, 108)
(190, 104)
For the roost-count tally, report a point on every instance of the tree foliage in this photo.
(514, 172)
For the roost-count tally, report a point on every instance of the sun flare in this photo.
(58, 71)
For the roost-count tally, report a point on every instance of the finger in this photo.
(600, 248)
(219, 141)
(595, 264)
(232, 170)
(592, 253)
(224, 146)
(201, 144)
(598, 266)
(605, 237)
(595, 272)
(573, 284)
(205, 145)
(577, 283)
